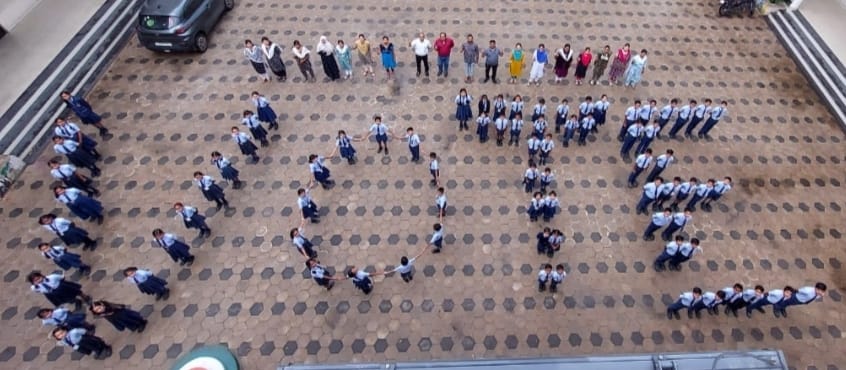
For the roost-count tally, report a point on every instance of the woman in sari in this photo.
(621, 60)
(273, 55)
(515, 69)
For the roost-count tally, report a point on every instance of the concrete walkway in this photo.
(30, 46)
(827, 18)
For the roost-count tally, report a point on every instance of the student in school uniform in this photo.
(539, 127)
(70, 131)
(484, 105)
(533, 145)
(192, 219)
(147, 282)
(686, 252)
(441, 203)
(561, 114)
(702, 191)
(119, 315)
(82, 341)
(544, 276)
(586, 107)
(646, 139)
(61, 257)
(406, 266)
(661, 164)
(81, 206)
(264, 111)
(501, 124)
(516, 129)
(709, 302)
(600, 110)
(570, 127)
(665, 192)
(633, 133)
(650, 193)
(68, 175)
(413, 143)
(259, 133)
(680, 220)
(720, 189)
(227, 171)
(713, 119)
(802, 296)
(463, 113)
(530, 176)
(683, 118)
(61, 316)
(631, 117)
(664, 115)
(245, 144)
(683, 191)
(303, 245)
(437, 239)
(381, 131)
(536, 206)
(343, 144)
(177, 250)
(587, 125)
(555, 240)
(698, 115)
(499, 106)
(516, 107)
(641, 163)
(482, 126)
(320, 274)
(320, 173)
(210, 190)
(556, 278)
(434, 169)
(310, 210)
(67, 231)
(362, 279)
(83, 110)
(539, 109)
(686, 300)
(550, 206)
(544, 246)
(56, 289)
(546, 178)
(772, 297)
(546, 146)
(659, 220)
(736, 298)
(76, 155)
(669, 252)
(647, 112)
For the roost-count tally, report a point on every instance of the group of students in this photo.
(643, 123)
(736, 297)
(507, 119)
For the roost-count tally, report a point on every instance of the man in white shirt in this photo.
(421, 47)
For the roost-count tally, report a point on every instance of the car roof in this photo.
(163, 7)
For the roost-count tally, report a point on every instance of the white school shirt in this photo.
(806, 294)
(405, 269)
(543, 276)
(710, 299)
(649, 131)
(717, 113)
(722, 187)
(643, 161)
(688, 299)
(65, 171)
(558, 278)
(664, 160)
(240, 138)
(774, 296)
(666, 112)
(631, 113)
(634, 130)
(433, 165)
(660, 220)
(501, 124)
(672, 248)
(68, 130)
(531, 174)
(684, 112)
(437, 235)
(563, 110)
(413, 140)
(516, 125)
(379, 128)
(547, 145)
(534, 143)
(551, 202)
(585, 108)
(441, 200)
(650, 190)
(516, 106)
(646, 112)
(483, 120)
(66, 147)
(571, 124)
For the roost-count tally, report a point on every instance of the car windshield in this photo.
(156, 22)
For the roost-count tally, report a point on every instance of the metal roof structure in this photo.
(746, 360)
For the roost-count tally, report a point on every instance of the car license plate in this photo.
(164, 44)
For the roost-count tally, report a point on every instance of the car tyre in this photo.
(228, 4)
(201, 42)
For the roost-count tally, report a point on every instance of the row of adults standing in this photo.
(337, 60)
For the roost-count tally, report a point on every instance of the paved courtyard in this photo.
(782, 224)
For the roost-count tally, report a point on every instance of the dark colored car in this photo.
(179, 25)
